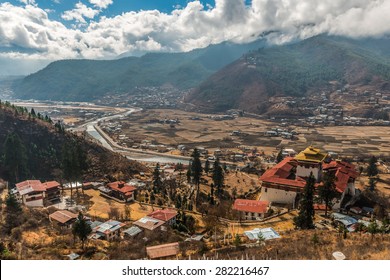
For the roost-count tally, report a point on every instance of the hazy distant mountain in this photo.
(85, 80)
(294, 70)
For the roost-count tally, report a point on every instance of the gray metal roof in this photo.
(267, 233)
(133, 231)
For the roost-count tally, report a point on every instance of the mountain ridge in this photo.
(292, 70)
(87, 80)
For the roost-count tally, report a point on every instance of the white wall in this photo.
(305, 172)
(351, 188)
(278, 196)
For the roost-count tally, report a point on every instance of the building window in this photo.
(265, 189)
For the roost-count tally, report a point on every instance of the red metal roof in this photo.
(51, 185)
(163, 215)
(33, 185)
(343, 166)
(122, 187)
(253, 206)
(280, 173)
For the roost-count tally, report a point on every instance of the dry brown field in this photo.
(212, 134)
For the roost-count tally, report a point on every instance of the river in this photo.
(129, 153)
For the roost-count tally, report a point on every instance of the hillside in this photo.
(43, 150)
(294, 70)
(87, 80)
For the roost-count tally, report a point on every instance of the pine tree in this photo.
(212, 202)
(157, 183)
(207, 166)
(81, 229)
(74, 163)
(13, 212)
(15, 157)
(372, 169)
(189, 173)
(237, 240)
(279, 157)
(196, 170)
(327, 190)
(372, 184)
(304, 220)
(218, 176)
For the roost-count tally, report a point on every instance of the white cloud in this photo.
(27, 2)
(102, 4)
(80, 12)
(29, 33)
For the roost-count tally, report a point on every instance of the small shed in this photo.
(63, 218)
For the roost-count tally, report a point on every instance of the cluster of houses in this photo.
(145, 97)
(280, 132)
(115, 230)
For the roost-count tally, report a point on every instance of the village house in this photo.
(63, 218)
(148, 223)
(285, 181)
(33, 193)
(168, 216)
(119, 190)
(163, 252)
(252, 209)
(109, 230)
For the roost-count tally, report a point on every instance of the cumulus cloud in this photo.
(80, 12)
(102, 4)
(29, 33)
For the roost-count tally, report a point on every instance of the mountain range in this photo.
(295, 69)
(87, 80)
(223, 76)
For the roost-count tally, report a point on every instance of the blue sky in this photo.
(35, 32)
(58, 7)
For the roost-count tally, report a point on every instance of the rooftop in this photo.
(29, 186)
(163, 215)
(122, 187)
(51, 185)
(283, 174)
(163, 251)
(63, 216)
(253, 206)
(107, 227)
(311, 154)
(133, 231)
(266, 233)
(149, 223)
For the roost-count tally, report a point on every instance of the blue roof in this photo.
(344, 219)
